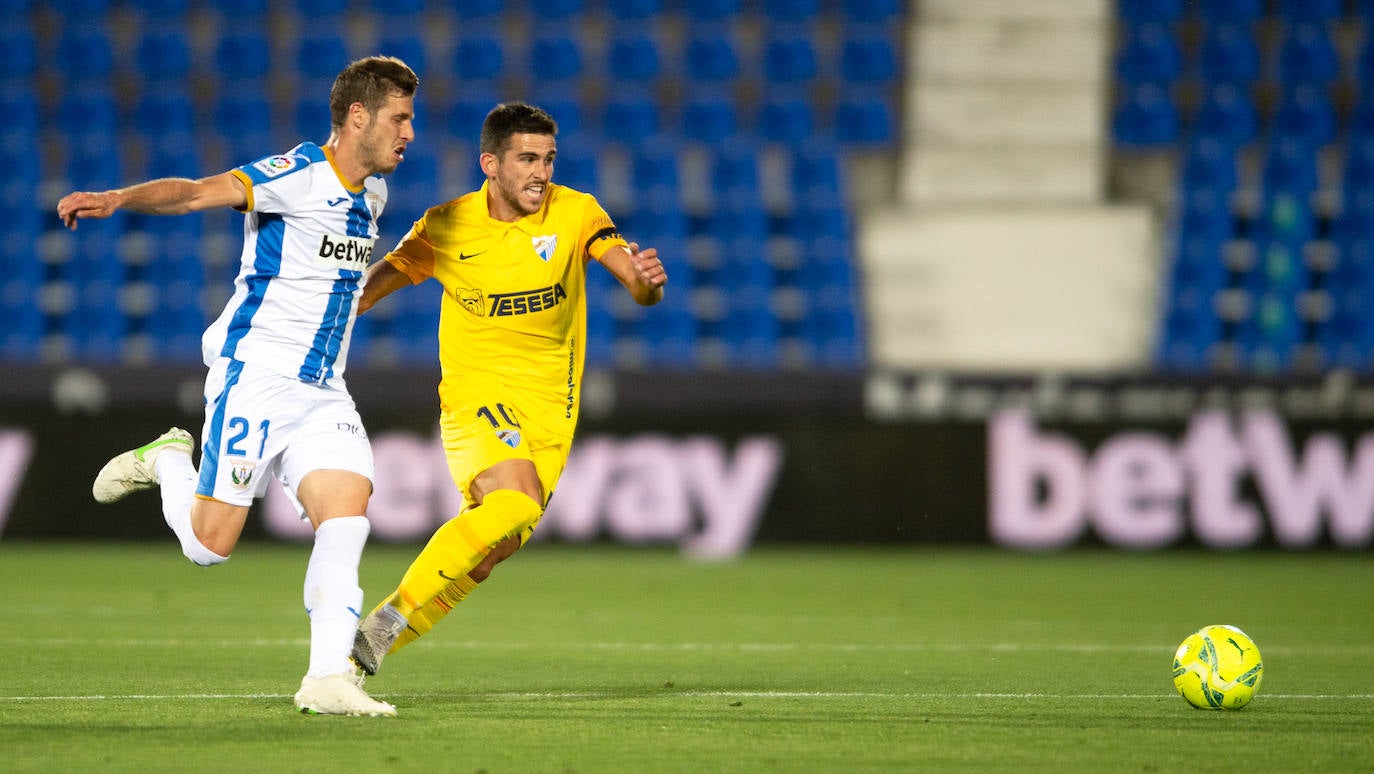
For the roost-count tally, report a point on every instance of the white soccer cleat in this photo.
(134, 470)
(339, 694)
(376, 634)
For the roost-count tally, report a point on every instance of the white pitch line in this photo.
(670, 694)
(689, 647)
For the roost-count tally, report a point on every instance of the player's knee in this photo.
(500, 553)
(199, 554)
(514, 512)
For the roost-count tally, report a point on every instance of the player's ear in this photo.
(489, 163)
(357, 115)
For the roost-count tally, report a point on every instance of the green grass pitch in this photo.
(124, 657)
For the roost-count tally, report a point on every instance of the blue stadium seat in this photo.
(310, 120)
(19, 131)
(633, 10)
(864, 118)
(15, 11)
(577, 164)
(817, 175)
(565, 107)
(84, 55)
(81, 9)
(1190, 330)
(555, 9)
(163, 11)
(242, 12)
(469, 110)
(633, 58)
(654, 167)
(163, 56)
(1145, 117)
(555, 57)
(320, 55)
(1305, 115)
(477, 11)
(408, 47)
(631, 116)
(249, 114)
(164, 112)
(317, 12)
(789, 59)
(708, 116)
(478, 58)
(1135, 12)
(791, 11)
(243, 54)
(412, 188)
(1230, 54)
(711, 10)
(1358, 169)
(1308, 56)
(87, 117)
(1227, 115)
(1361, 123)
(868, 59)
(18, 53)
(735, 175)
(786, 115)
(1304, 11)
(1210, 163)
(1231, 11)
(711, 57)
(1149, 54)
(872, 12)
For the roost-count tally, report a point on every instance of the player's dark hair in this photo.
(370, 80)
(509, 119)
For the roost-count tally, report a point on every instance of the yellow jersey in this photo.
(513, 320)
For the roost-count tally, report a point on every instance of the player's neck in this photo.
(346, 163)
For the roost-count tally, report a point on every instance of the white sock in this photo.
(333, 599)
(177, 478)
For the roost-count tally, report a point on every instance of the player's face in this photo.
(384, 140)
(522, 173)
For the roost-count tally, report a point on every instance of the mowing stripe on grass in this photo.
(554, 695)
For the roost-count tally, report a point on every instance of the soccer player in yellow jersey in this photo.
(512, 258)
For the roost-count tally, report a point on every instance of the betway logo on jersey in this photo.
(344, 252)
(510, 304)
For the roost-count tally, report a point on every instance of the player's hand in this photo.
(86, 204)
(647, 266)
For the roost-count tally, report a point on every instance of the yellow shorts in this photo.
(478, 434)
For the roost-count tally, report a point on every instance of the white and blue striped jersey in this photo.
(307, 238)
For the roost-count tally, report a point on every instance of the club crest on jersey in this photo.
(374, 204)
(510, 438)
(471, 300)
(241, 473)
(544, 246)
(275, 165)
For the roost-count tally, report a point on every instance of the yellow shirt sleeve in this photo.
(414, 256)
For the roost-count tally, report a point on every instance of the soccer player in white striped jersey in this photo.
(275, 400)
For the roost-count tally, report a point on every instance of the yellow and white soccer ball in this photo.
(1218, 667)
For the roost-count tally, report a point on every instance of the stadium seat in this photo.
(868, 60)
(18, 54)
(407, 46)
(1313, 11)
(1227, 115)
(83, 55)
(94, 10)
(469, 110)
(1362, 119)
(87, 114)
(19, 132)
(408, 10)
(1230, 54)
(711, 58)
(243, 54)
(630, 116)
(565, 107)
(554, 10)
(577, 164)
(633, 58)
(791, 11)
(633, 10)
(711, 10)
(654, 167)
(789, 59)
(786, 115)
(478, 58)
(1305, 115)
(164, 112)
(1134, 12)
(708, 116)
(1149, 54)
(1308, 56)
(1145, 117)
(1358, 169)
(310, 120)
(864, 119)
(163, 56)
(555, 57)
(1210, 163)
(476, 11)
(163, 11)
(250, 114)
(315, 12)
(735, 175)
(242, 12)
(1230, 11)
(320, 55)
(872, 12)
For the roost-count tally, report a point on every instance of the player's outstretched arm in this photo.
(382, 278)
(165, 196)
(640, 271)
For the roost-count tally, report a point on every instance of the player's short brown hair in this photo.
(370, 81)
(509, 119)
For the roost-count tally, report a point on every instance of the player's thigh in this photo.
(244, 410)
(477, 439)
(327, 465)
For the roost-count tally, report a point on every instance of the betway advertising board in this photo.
(715, 486)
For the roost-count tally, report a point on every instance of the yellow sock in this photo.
(422, 620)
(460, 545)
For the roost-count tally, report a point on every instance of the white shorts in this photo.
(260, 424)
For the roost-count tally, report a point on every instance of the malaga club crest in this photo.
(545, 245)
(510, 438)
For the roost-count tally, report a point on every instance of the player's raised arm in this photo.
(640, 271)
(383, 278)
(165, 196)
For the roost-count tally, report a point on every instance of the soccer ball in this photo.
(1218, 667)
